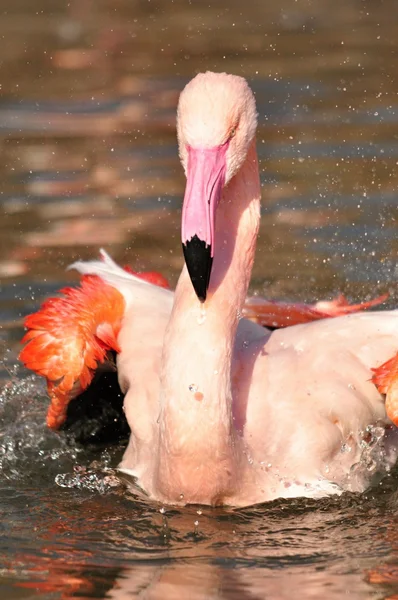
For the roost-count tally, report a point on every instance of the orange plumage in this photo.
(153, 277)
(283, 314)
(69, 336)
(386, 380)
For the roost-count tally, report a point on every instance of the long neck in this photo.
(197, 436)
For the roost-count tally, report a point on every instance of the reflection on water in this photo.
(91, 537)
(89, 159)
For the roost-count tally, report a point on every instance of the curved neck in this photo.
(196, 426)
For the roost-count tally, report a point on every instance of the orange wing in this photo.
(386, 380)
(284, 314)
(69, 336)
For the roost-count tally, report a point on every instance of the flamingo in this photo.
(222, 410)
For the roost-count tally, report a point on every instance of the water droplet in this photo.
(181, 496)
(193, 388)
(378, 432)
(202, 316)
(371, 464)
(196, 523)
(162, 510)
(345, 448)
(199, 512)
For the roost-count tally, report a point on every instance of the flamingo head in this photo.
(216, 123)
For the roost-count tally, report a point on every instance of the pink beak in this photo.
(205, 180)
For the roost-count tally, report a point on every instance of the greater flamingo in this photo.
(221, 410)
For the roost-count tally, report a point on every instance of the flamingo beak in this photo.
(205, 180)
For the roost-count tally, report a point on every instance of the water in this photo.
(73, 528)
(89, 159)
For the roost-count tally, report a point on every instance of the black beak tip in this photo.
(199, 261)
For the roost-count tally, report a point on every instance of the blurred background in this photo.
(88, 150)
(89, 159)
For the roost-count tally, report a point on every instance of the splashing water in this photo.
(95, 479)
(378, 453)
(30, 450)
(26, 444)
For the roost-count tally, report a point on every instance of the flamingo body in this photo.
(222, 410)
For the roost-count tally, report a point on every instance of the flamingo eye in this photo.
(233, 131)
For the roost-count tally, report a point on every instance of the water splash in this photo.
(377, 455)
(93, 479)
(27, 447)
(29, 450)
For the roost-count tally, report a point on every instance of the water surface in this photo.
(89, 159)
